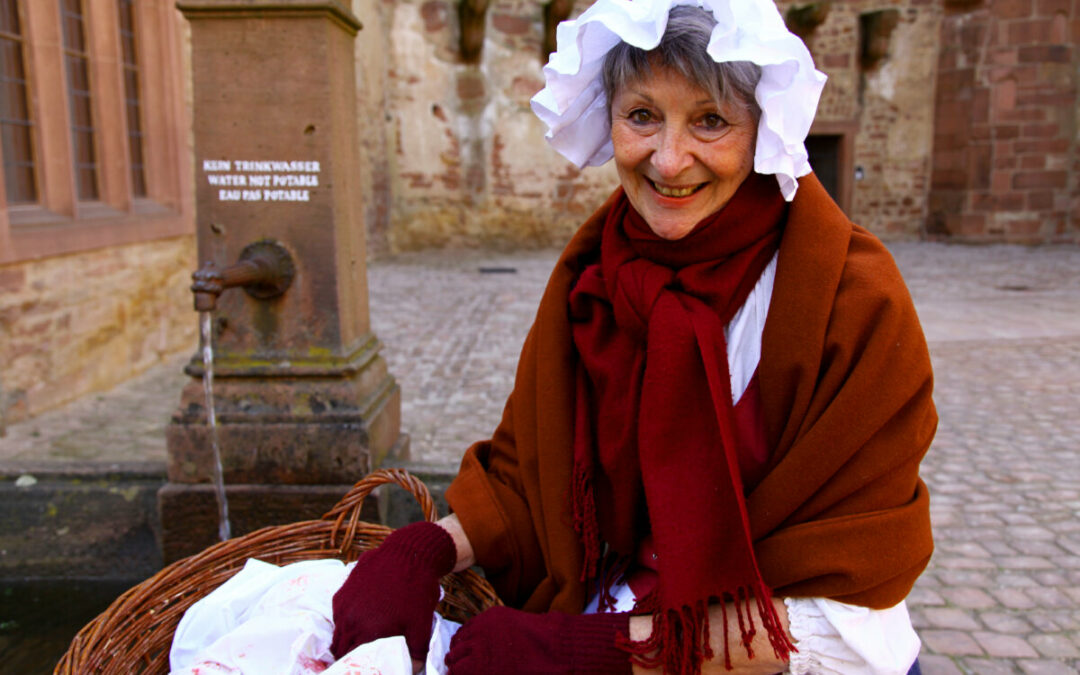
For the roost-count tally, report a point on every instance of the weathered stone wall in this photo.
(467, 163)
(888, 104)
(75, 324)
(1007, 143)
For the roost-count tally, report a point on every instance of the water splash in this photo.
(206, 325)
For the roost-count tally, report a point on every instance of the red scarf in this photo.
(655, 448)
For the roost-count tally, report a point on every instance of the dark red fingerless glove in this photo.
(503, 640)
(393, 590)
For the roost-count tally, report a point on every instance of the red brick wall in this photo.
(1006, 163)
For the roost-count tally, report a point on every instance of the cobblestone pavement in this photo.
(1002, 593)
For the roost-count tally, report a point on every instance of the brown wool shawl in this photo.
(845, 385)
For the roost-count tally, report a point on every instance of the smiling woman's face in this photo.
(680, 156)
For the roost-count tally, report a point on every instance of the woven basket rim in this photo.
(135, 632)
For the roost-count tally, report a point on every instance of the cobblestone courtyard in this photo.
(1002, 594)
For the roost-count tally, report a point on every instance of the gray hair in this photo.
(683, 49)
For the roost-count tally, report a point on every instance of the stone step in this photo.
(100, 521)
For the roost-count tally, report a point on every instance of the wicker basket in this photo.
(134, 634)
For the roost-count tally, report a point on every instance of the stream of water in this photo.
(206, 325)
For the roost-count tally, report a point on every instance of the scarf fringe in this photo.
(613, 570)
(586, 526)
(669, 646)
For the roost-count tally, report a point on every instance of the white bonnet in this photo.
(574, 106)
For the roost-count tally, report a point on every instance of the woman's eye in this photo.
(640, 116)
(712, 121)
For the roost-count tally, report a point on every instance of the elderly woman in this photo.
(710, 457)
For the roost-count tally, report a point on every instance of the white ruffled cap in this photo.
(574, 107)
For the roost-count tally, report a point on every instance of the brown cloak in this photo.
(846, 392)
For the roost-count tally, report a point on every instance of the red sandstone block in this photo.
(470, 88)
(957, 82)
(948, 179)
(970, 223)
(836, 60)
(981, 132)
(982, 202)
(1011, 9)
(1020, 115)
(948, 143)
(1006, 132)
(1010, 201)
(12, 279)
(972, 37)
(1052, 7)
(950, 158)
(980, 105)
(1059, 29)
(1006, 162)
(1045, 53)
(434, 13)
(1041, 130)
(1043, 145)
(1003, 148)
(1033, 162)
(1047, 97)
(1021, 73)
(1028, 226)
(1001, 180)
(1004, 56)
(510, 24)
(1029, 31)
(1039, 179)
(1004, 98)
(1040, 200)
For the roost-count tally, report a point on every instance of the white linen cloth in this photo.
(270, 620)
(573, 104)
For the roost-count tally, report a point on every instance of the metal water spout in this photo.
(265, 270)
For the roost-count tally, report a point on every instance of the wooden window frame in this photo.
(19, 38)
(59, 223)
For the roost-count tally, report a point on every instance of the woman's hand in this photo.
(503, 640)
(764, 662)
(393, 590)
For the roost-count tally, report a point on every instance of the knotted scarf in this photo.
(654, 441)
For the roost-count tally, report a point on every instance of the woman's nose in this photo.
(672, 154)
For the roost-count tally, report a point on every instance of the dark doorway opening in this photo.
(825, 158)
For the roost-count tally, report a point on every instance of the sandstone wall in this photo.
(888, 106)
(1007, 145)
(464, 161)
(81, 323)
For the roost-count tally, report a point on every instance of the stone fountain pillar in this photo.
(304, 402)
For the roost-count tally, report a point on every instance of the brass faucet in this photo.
(265, 270)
